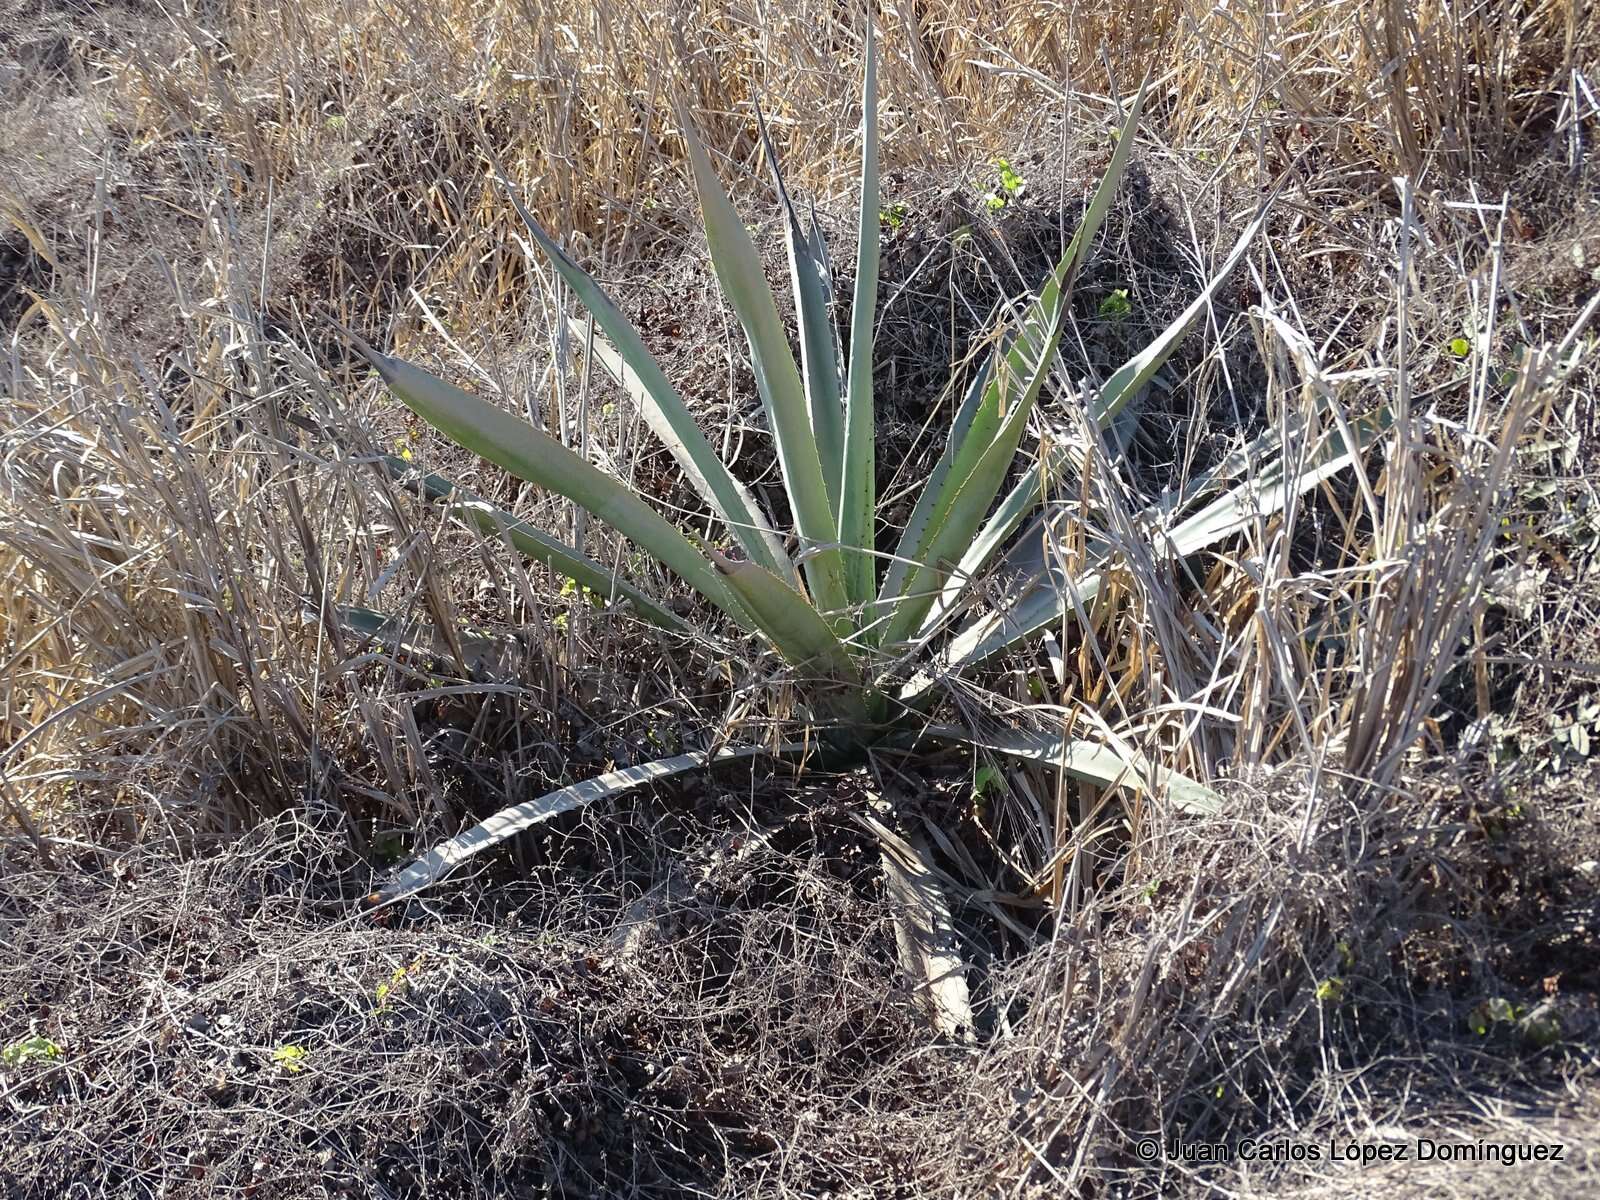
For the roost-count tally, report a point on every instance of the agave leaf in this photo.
(858, 505)
(1048, 598)
(742, 514)
(819, 345)
(1057, 290)
(796, 629)
(1044, 602)
(1029, 494)
(956, 459)
(529, 453)
(1271, 489)
(663, 409)
(534, 543)
(1019, 504)
(958, 498)
(1104, 766)
(930, 950)
(964, 511)
(369, 622)
(508, 822)
(738, 269)
(415, 639)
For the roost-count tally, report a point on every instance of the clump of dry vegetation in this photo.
(209, 758)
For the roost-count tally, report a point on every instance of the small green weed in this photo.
(397, 983)
(1007, 188)
(29, 1049)
(1540, 1025)
(1116, 306)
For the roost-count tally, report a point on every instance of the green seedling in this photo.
(1008, 186)
(1116, 306)
(35, 1048)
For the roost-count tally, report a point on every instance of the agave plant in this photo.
(868, 633)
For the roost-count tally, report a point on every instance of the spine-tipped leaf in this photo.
(819, 345)
(982, 446)
(1019, 504)
(529, 453)
(663, 409)
(857, 508)
(1092, 762)
(1051, 598)
(531, 542)
(744, 283)
(508, 822)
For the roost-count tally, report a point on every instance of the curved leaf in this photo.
(1094, 763)
(1007, 518)
(978, 465)
(819, 345)
(1049, 597)
(508, 822)
(744, 284)
(529, 453)
(531, 542)
(858, 505)
(632, 365)
(795, 628)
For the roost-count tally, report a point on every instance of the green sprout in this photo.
(894, 215)
(291, 1058)
(570, 589)
(396, 983)
(983, 779)
(1009, 186)
(1116, 306)
(29, 1049)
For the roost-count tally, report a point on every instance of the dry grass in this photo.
(697, 994)
(187, 495)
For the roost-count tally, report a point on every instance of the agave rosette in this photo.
(882, 630)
